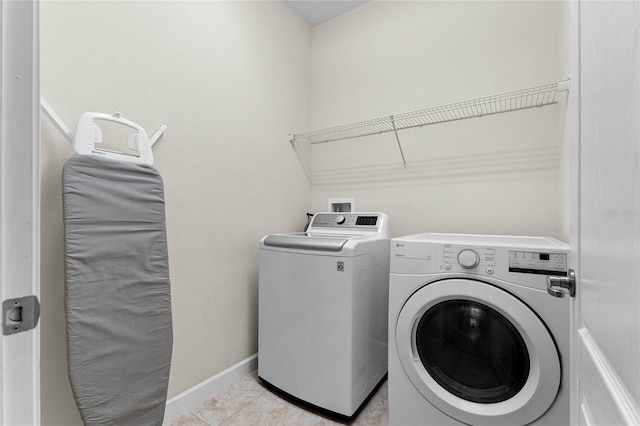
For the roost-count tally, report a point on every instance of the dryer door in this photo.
(478, 353)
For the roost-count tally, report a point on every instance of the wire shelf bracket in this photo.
(533, 97)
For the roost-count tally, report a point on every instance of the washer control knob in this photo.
(340, 219)
(468, 258)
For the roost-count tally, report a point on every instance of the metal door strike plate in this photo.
(20, 314)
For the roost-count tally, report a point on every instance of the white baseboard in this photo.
(604, 398)
(204, 390)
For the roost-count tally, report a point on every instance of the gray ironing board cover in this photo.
(117, 293)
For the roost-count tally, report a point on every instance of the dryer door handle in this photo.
(561, 286)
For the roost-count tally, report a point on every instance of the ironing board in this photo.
(117, 293)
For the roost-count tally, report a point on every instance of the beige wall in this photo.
(230, 80)
(496, 174)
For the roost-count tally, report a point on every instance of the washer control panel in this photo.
(365, 223)
(347, 220)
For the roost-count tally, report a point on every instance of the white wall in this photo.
(231, 80)
(496, 174)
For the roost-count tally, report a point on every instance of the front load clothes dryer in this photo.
(323, 305)
(474, 336)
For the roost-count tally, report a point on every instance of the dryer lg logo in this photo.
(340, 266)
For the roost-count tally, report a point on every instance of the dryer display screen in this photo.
(530, 262)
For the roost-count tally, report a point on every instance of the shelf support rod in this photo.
(56, 120)
(306, 167)
(395, 131)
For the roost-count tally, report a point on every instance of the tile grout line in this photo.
(244, 407)
(199, 418)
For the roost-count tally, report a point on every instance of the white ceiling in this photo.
(315, 12)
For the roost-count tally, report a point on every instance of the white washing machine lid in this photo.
(325, 244)
(345, 234)
(303, 241)
(542, 383)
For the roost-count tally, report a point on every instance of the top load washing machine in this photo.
(323, 298)
(475, 335)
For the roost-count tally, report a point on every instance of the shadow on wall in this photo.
(454, 168)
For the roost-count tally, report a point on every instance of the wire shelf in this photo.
(537, 96)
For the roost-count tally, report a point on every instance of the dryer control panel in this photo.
(527, 260)
(531, 262)
(462, 258)
(467, 257)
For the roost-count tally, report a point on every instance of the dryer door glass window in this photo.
(472, 351)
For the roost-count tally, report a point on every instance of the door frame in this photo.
(20, 205)
(572, 135)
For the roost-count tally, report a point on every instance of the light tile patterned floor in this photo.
(248, 403)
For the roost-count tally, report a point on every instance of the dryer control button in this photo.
(340, 220)
(490, 270)
(468, 258)
(447, 266)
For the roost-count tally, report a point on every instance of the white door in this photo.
(606, 215)
(19, 212)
